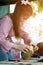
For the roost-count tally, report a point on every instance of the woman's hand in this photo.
(35, 47)
(22, 47)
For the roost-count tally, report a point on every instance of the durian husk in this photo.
(28, 54)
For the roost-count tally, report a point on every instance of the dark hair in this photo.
(21, 10)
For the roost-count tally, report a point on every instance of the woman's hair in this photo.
(21, 11)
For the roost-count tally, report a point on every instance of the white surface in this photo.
(12, 7)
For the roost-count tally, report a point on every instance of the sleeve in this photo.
(6, 25)
(7, 2)
(11, 33)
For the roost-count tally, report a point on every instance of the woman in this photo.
(6, 44)
(21, 13)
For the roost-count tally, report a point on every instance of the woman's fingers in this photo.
(23, 51)
(25, 48)
(36, 48)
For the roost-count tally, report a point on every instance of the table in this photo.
(32, 61)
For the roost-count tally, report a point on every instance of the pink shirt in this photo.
(5, 30)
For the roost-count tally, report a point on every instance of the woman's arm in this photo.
(7, 45)
(6, 24)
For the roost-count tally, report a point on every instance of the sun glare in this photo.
(34, 27)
